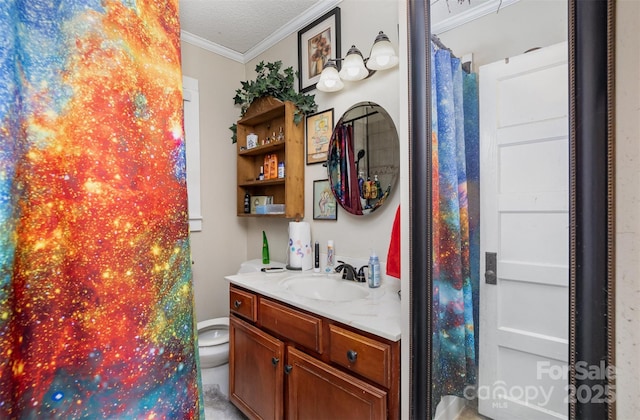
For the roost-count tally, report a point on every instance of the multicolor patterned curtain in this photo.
(455, 223)
(96, 303)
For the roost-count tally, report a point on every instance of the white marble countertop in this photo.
(377, 313)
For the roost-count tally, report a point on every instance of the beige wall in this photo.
(627, 212)
(220, 247)
(353, 236)
(226, 240)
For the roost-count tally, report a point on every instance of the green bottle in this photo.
(265, 249)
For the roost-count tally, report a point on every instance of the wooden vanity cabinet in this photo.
(292, 364)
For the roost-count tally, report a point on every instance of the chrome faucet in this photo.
(349, 272)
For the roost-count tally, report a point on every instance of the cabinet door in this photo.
(319, 391)
(255, 371)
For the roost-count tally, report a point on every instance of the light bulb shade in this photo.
(383, 56)
(329, 78)
(353, 66)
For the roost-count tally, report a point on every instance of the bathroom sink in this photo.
(325, 287)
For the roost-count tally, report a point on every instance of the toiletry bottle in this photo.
(378, 186)
(265, 249)
(273, 166)
(373, 193)
(374, 270)
(247, 203)
(281, 169)
(267, 163)
(316, 252)
(361, 183)
(281, 134)
(367, 188)
(261, 175)
(331, 258)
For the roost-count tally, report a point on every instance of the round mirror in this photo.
(364, 158)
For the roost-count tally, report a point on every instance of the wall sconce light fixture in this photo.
(382, 57)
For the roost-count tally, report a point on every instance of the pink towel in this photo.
(393, 256)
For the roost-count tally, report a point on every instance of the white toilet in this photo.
(213, 342)
(213, 346)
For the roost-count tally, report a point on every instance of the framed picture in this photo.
(324, 203)
(317, 42)
(319, 130)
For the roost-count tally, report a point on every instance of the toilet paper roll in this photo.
(300, 253)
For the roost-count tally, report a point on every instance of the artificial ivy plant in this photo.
(271, 82)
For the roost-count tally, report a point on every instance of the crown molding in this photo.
(473, 13)
(293, 26)
(211, 46)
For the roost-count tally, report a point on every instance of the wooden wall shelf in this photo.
(264, 118)
(261, 150)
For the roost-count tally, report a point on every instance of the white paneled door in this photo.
(524, 179)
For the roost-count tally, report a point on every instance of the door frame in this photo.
(591, 205)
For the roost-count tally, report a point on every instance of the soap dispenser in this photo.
(374, 270)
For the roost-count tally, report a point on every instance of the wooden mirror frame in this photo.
(591, 206)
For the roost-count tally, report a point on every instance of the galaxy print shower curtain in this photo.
(455, 225)
(96, 314)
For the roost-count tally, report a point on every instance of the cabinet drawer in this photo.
(363, 355)
(299, 327)
(243, 303)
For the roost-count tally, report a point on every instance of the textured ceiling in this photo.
(242, 29)
(240, 25)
